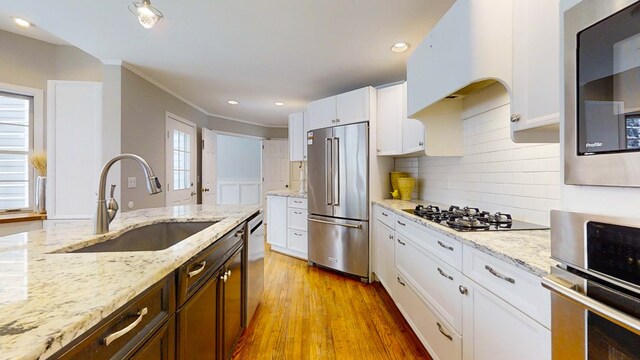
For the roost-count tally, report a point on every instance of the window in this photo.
(181, 161)
(16, 142)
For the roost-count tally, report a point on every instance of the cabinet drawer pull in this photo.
(400, 281)
(402, 243)
(498, 275)
(239, 233)
(445, 245)
(444, 333)
(193, 273)
(297, 201)
(113, 337)
(384, 213)
(297, 234)
(401, 223)
(298, 212)
(445, 274)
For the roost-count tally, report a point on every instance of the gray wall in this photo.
(144, 109)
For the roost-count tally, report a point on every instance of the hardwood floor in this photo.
(311, 313)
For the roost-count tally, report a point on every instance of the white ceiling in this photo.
(254, 51)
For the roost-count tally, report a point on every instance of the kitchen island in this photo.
(48, 297)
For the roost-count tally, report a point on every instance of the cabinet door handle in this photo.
(239, 233)
(463, 290)
(391, 237)
(400, 281)
(384, 213)
(297, 201)
(498, 275)
(445, 274)
(337, 120)
(515, 117)
(402, 243)
(445, 246)
(193, 273)
(113, 337)
(228, 274)
(444, 333)
(420, 143)
(401, 223)
(298, 212)
(224, 277)
(297, 234)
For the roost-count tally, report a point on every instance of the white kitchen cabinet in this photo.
(277, 220)
(287, 225)
(397, 134)
(347, 108)
(535, 92)
(433, 280)
(298, 127)
(442, 342)
(383, 240)
(495, 330)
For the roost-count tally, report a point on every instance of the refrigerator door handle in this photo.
(336, 171)
(328, 172)
(358, 226)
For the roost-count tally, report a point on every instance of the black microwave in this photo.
(602, 93)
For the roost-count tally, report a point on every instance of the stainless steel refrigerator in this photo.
(338, 198)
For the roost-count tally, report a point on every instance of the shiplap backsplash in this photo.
(495, 174)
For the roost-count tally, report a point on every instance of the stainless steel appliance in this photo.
(254, 258)
(472, 219)
(338, 198)
(602, 93)
(595, 291)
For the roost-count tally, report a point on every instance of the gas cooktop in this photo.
(472, 219)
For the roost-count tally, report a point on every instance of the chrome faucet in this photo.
(105, 214)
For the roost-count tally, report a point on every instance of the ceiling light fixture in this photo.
(279, 104)
(400, 47)
(232, 102)
(22, 22)
(147, 14)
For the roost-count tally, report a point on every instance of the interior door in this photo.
(350, 174)
(180, 162)
(275, 166)
(319, 192)
(208, 167)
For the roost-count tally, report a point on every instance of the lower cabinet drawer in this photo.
(436, 281)
(438, 337)
(297, 240)
(124, 332)
(297, 219)
(516, 286)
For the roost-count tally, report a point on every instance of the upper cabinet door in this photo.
(297, 137)
(389, 124)
(353, 106)
(322, 113)
(412, 130)
(305, 128)
(536, 80)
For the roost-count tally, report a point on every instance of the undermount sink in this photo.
(148, 238)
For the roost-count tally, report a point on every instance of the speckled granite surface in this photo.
(288, 193)
(528, 250)
(47, 299)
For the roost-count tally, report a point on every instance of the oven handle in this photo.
(566, 288)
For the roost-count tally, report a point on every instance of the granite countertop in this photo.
(47, 299)
(287, 193)
(529, 250)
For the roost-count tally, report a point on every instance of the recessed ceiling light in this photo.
(22, 22)
(279, 104)
(232, 102)
(400, 47)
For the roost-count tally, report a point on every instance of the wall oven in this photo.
(602, 93)
(595, 291)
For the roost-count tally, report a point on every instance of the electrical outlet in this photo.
(131, 182)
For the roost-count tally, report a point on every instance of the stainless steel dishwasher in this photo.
(254, 258)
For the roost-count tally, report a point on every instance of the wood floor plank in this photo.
(312, 313)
